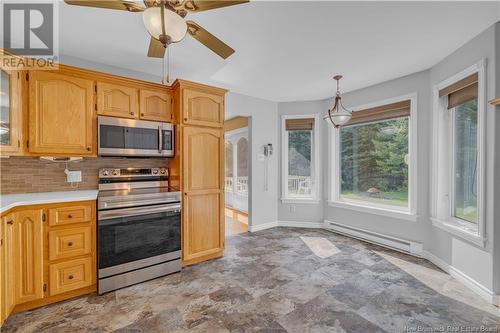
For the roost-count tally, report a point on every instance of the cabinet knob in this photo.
(88, 148)
(70, 243)
(142, 114)
(185, 119)
(70, 216)
(70, 277)
(10, 222)
(132, 113)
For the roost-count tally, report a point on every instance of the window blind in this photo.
(462, 91)
(383, 112)
(305, 124)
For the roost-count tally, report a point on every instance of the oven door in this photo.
(132, 238)
(129, 137)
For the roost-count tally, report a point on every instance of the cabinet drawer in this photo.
(69, 242)
(70, 275)
(70, 214)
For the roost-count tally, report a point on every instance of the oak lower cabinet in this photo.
(44, 262)
(61, 114)
(203, 205)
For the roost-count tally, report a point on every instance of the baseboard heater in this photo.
(398, 244)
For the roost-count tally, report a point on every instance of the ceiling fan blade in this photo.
(201, 5)
(209, 40)
(107, 4)
(156, 48)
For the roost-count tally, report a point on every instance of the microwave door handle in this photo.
(160, 141)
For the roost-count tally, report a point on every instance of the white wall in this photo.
(496, 258)
(416, 231)
(310, 212)
(472, 260)
(262, 130)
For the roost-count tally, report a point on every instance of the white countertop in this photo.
(9, 201)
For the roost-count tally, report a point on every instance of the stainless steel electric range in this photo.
(139, 227)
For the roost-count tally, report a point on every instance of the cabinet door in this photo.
(29, 255)
(10, 113)
(9, 265)
(117, 101)
(156, 105)
(203, 214)
(61, 113)
(204, 109)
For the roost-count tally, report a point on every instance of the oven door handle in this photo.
(126, 212)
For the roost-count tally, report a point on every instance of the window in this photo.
(465, 161)
(374, 162)
(299, 139)
(373, 159)
(229, 167)
(458, 158)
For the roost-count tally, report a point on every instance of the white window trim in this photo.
(314, 198)
(442, 159)
(334, 199)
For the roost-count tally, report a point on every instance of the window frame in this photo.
(442, 176)
(315, 167)
(334, 199)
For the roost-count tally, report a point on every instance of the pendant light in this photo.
(338, 114)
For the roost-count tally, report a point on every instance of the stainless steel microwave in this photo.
(137, 138)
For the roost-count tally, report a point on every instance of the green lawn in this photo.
(385, 198)
(470, 216)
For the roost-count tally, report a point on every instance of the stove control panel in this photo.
(132, 172)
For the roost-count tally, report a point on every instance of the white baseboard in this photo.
(263, 226)
(472, 284)
(301, 224)
(399, 244)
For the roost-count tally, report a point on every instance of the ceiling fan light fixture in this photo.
(175, 26)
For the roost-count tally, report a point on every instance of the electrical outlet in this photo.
(74, 176)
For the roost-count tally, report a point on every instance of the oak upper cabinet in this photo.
(61, 114)
(28, 255)
(117, 100)
(202, 108)
(155, 105)
(11, 112)
(203, 213)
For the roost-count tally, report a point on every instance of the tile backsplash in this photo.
(31, 174)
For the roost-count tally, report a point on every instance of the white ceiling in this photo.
(288, 50)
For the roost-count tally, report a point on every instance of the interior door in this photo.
(28, 258)
(155, 105)
(61, 114)
(117, 101)
(203, 214)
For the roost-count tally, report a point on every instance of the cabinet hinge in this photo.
(27, 143)
(18, 143)
(27, 77)
(44, 287)
(95, 87)
(43, 217)
(95, 106)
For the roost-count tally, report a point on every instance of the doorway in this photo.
(236, 175)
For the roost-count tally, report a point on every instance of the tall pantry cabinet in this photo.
(198, 168)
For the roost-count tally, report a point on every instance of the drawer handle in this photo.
(10, 222)
(70, 243)
(70, 277)
(70, 216)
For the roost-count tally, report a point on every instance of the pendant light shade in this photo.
(175, 26)
(338, 114)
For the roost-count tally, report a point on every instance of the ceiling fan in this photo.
(164, 20)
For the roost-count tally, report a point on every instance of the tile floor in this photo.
(271, 281)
